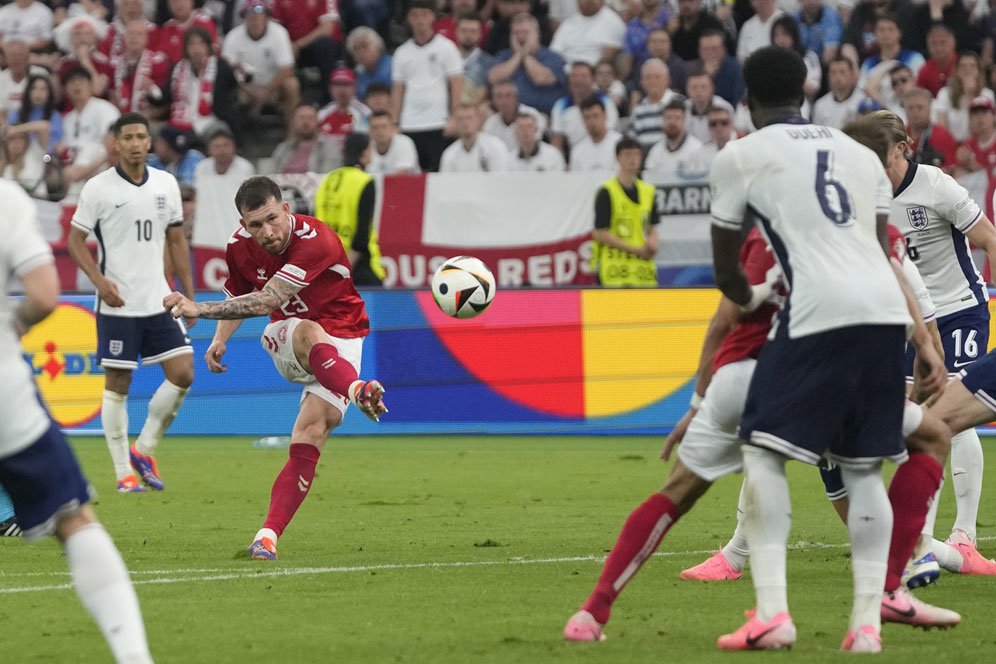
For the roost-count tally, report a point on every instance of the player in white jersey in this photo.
(135, 214)
(37, 466)
(939, 219)
(829, 382)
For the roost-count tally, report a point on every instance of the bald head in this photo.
(654, 78)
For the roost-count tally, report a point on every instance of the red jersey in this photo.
(300, 17)
(932, 77)
(986, 156)
(112, 45)
(748, 337)
(897, 243)
(446, 26)
(313, 260)
(131, 82)
(171, 35)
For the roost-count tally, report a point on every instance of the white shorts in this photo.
(278, 340)
(711, 447)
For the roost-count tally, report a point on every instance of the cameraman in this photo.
(932, 143)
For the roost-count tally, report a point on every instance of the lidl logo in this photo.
(62, 353)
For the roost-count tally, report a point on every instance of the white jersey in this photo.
(22, 419)
(815, 194)
(934, 212)
(129, 221)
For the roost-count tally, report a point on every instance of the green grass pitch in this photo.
(445, 550)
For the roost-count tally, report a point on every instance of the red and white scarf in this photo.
(180, 83)
(129, 89)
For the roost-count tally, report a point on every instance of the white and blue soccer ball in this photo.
(463, 287)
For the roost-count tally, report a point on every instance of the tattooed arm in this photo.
(258, 303)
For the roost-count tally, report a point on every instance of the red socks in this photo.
(910, 493)
(291, 486)
(331, 371)
(640, 537)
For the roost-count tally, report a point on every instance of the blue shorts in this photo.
(965, 335)
(980, 379)
(44, 482)
(120, 340)
(837, 394)
(833, 480)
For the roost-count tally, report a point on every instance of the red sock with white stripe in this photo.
(911, 492)
(640, 537)
(331, 371)
(291, 486)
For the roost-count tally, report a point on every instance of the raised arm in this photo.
(275, 293)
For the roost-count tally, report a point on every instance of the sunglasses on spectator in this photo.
(718, 123)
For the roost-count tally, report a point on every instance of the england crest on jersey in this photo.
(116, 346)
(917, 217)
(160, 202)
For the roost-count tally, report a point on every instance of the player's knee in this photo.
(182, 376)
(117, 380)
(307, 334)
(683, 487)
(932, 437)
(70, 523)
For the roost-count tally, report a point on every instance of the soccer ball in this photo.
(463, 287)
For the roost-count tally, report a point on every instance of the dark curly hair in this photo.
(775, 76)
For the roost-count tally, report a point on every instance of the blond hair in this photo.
(893, 126)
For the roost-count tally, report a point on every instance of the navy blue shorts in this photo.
(833, 480)
(980, 379)
(44, 482)
(838, 394)
(120, 340)
(965, 335)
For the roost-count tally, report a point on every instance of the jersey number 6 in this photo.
(834, 199)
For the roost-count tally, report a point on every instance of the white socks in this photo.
(102, 583)
(269, 533)
(162, 409)
(736, 550)
(767, 520)
(114, 417)
(869, 523)
(966, 479)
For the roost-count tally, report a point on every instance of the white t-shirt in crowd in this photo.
(591, 156)
(425, 71)
(668, 163)
(12, 92)
(264, 57)
(547, 158)
(565, 118)
(957, 118)
(698, 125)
(829, 112)
(755, 34)
(29, 24)
(581, 38)
(215, 214)
(496, 126)
(487, 155)
(83, 126)
(401, 157)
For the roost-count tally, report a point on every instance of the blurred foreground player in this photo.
(295, 270)
(38, 469)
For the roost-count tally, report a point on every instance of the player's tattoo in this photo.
(258, 303)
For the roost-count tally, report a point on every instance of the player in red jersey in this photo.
(295, 270)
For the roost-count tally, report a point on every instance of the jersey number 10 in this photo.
(143, 230)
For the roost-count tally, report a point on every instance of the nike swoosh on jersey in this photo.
(959, 365)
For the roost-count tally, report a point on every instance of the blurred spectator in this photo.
(141, 75)
(23, 165)
(978, 152)
(724, 69)
(839, 106)
(951, 106)
(597, 151)
(536, 71)
(216, 180)
(609, 85)
(314, 27)
(472, 152)
(172, 152)
(77, 37)
(953, 14)
(859, 40)
(346, 113)
(476, 62)
(306, 150)
(533, 154)
(373, 65)
(566, 125)
(785, 33)
(939, 67)
(113, 43)
(378, 97)
(202, 88)
(500, 34)
(560, 10)
(91, 116)
(392, 152)
(820, 28)
(932, 144)
(635, 51)
(667, 157)
(888, 37)
(37, 115)
(262, 57)
(755, 33)
(90, 160)
(502, 123)
(691, 23)
(446, 25)
(428, 82)
(346, 201)
(702, 99)
(720, 127)
(645, 117)
(29, 21)
(594, 34)
(14, 78)
(625, 219)
(183, 18)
